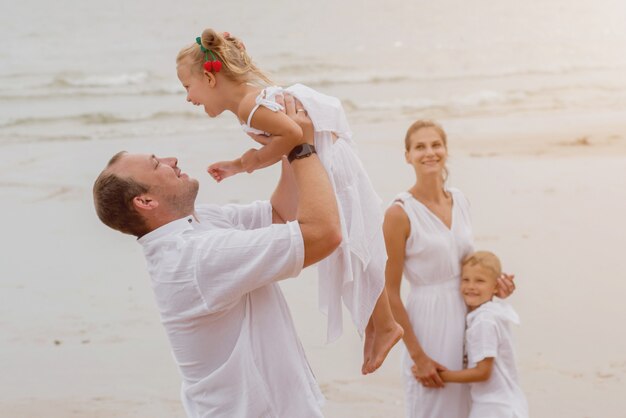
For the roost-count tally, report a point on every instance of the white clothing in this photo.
(435, 307)
(488, 335)
(354, 272)
(228, 324)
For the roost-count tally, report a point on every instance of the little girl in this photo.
(492, 373)
(218, 74)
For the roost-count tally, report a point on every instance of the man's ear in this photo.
(145, 202)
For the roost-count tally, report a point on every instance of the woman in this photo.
(428, 233)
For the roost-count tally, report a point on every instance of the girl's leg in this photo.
(382, 333)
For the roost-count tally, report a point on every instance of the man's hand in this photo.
(220, 170)
(295, 110)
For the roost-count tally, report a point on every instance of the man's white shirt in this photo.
(229, 326)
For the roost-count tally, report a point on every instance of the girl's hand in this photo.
(220, 170)
(506, 286)
(250, 160)
(426, 371)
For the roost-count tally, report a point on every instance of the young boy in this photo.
(491, 368)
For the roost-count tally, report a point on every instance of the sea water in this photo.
(87, 70)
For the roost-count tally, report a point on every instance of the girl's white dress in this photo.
(354, 272)
(435, 307)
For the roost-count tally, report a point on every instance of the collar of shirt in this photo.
(500, 310)
(178, 225)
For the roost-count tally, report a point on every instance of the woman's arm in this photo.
(285, 135)
(480, 373)
(396, 229)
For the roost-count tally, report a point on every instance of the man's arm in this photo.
(317, 212)
(285, 198)
(480, 373)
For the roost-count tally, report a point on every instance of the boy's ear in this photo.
(145, 202)
(495, 289)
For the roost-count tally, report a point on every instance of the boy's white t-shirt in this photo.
(488, 335)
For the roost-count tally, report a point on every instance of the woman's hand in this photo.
(506, 286)
(426, 371)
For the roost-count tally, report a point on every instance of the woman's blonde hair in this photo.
(425, 123)
(236, 63)
(484, 259)
(421, 124)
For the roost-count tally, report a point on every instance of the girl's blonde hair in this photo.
(425, 123)
(484, 259)
(236, 63)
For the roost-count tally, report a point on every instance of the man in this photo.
(214, 272)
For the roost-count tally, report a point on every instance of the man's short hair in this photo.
(113, 198)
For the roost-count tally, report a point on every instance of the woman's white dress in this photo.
(355, 272)
(435, 307)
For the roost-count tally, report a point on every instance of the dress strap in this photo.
(265, 100)
(400, 199)
(252, 113)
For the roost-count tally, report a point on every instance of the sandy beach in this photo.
(532, 95)
(81, 336)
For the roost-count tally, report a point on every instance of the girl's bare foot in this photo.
(368, 345)
(384, 339)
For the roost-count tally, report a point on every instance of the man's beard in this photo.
(183, 203)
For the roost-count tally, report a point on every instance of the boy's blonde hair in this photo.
(484, 259)
(236, 63)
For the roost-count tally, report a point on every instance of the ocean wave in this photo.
(72, 85)
(334, 78)
(40, 94)
(100, 118)
(115, 80)
(26, 139)
(68, 86)
(479, 102)
(490, 101)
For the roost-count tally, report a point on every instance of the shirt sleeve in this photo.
(482, 341)
(250, 216)
(232, 263)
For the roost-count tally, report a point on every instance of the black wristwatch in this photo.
(301, 151)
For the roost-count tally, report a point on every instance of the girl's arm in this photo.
(396, 229)
(285, 134)
(480, 373)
